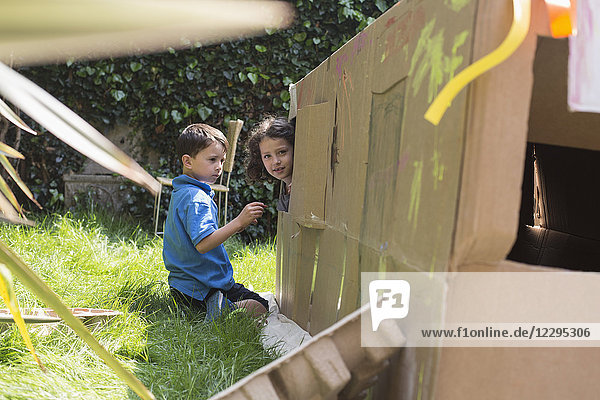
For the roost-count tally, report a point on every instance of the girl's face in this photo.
(278, 158)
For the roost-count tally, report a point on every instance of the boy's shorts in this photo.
(237, 293)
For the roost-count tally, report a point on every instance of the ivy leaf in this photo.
(253, 77)
(210, 93)
(300, 37)
(284, 95)
(118, 95)
(380, 4)
(242, 76)
(155, 110)
(316, 40)
(135, 66)
(204, 112)
(164, 116)
(260, 48)
(177, 116)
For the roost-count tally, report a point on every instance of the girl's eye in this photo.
(266, 156)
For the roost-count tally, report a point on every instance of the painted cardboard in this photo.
(378, 188)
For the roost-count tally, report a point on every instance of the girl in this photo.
(271, 152)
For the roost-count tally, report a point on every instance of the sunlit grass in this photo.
(103, 262)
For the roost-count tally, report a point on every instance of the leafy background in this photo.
(159, 95)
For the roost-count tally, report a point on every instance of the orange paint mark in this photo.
(562, 16)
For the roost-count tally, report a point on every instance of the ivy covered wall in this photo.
(158, 95)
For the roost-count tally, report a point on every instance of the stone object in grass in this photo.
(91, 317)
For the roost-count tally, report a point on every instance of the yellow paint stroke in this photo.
(456, 5)
(430, 53)
(516, 35)
(415, 193)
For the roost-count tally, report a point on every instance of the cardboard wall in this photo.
(387, 191)
(379, 181)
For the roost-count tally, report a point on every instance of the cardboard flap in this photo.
(311, 163)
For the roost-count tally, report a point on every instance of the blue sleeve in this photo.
(198, 221)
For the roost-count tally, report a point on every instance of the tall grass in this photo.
(101, 261)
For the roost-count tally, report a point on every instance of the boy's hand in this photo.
(250, 214)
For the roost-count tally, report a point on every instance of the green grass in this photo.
(103, 262)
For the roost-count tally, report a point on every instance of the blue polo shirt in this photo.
(192, 216)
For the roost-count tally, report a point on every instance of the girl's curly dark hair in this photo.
(274, 128)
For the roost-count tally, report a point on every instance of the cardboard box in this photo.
(378, 188)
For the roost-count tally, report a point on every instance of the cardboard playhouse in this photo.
(508, 181)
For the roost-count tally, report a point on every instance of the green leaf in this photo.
(155, 110)
(177, 116)
(242, 76)
(13, 174)
(284, 95)
(260, 48)
(204, 112)
(381, 5)
(135, 66)
(10, 115)
(210, 93)
(164, 116)
(316, 40)
(8, 295)
(300, 37)
(253, 77)
(118, 95)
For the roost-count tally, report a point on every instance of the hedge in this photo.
(158, 95)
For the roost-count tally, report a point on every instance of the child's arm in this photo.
(249, 215)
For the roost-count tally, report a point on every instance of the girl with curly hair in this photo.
(270, 150)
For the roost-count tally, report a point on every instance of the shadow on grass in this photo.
(184, 357)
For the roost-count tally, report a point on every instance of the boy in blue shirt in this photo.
(200, 273)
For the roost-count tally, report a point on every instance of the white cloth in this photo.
(280, 331)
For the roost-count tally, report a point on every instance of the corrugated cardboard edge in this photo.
(330, 363)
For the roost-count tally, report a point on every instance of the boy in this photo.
(200, 274)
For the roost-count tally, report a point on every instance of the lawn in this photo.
(102, 262)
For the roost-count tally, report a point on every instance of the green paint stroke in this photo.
(438, 167)
(429, 60)
(415, 193)
(456, 5)
(420, 386)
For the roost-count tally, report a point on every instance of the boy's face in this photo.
(207, 165)
(278, 158)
